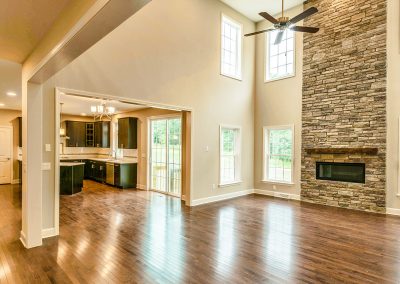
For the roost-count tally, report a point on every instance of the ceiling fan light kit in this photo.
(285, 23)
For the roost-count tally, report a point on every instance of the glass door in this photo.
(165, 155)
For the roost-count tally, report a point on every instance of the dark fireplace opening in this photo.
(347, 172)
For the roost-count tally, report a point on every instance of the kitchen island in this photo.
(120, 173)
(71, 177)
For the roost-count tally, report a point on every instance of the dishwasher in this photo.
(110, 173)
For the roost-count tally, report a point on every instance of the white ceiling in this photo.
(23, 23)
(10, 81)
(251, 8)
(76, 105)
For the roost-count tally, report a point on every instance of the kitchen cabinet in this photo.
(71, 178)
(76, 131)
(127, 133)
(89, 134)
(102, 134)
(125, 175)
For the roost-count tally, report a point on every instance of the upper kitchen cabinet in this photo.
(102, 134)
(76, 131)
(127, 133)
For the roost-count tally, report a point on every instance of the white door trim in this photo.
(58, 92)
(11, 152)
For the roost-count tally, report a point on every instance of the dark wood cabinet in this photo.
(71, 179)
(125, 175)
(76, 131)
(127, 133)
(88, 134)
(102, 134)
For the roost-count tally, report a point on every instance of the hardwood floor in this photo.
(112, 236)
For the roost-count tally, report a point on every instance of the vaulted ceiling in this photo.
(251, 8)
(23, 23)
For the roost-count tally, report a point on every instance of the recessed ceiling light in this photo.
(1, 104)
(11, 94)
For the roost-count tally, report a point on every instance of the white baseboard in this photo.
(22, 238)
(278, 194)
(48, 233)
(141, 186)
(16, 181)
(393, 211)
(221, 197)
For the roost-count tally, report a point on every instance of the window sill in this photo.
(230, 183)
(278, 79)
(232, 77)
(277, 182)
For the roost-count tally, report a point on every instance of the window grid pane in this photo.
(229, 155)
(279, 155)
(280, 61)
(230, 48)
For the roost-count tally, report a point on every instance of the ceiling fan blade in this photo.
(279, 37)
(259, 32)
(268, 17)
(305, 29)
(307, 13)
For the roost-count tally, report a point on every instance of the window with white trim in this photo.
(280, 61)
(231, 48)
(230, 155)
(278, 154)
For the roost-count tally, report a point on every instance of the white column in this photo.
(31, 233)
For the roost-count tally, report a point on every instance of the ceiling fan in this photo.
(283, 23)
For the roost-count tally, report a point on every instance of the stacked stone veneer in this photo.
(344, 99)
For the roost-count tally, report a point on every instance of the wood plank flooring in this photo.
(112, 236)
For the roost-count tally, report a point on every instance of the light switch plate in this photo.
(46, 166)
(48, 147)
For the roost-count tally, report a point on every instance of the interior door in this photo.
(166, 155)
(5, 154)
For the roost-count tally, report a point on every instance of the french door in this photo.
(166, 155)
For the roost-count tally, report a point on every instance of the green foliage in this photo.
(280, 146)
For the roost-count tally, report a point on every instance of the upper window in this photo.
(280, 61)
(230, 155)
(278, 154)
(231, 48)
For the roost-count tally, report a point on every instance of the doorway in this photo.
(165, 159)
(5, 154)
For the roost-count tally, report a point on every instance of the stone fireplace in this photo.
(344, 102)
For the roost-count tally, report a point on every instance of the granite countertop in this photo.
(105, 160)
(66, 164)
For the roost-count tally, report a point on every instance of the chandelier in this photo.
(102, 111)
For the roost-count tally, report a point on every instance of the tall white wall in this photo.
(169, 52)
(278, 103)
(393, 104)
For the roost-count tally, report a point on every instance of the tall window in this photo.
(278, 154)
(231, 48)
(230, 155)
(280, 62)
